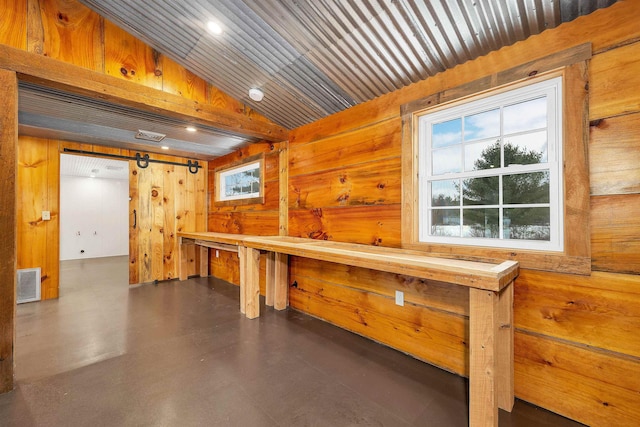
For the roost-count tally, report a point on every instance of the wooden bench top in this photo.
(473, 274)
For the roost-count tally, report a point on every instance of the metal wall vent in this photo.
(29, 284)
(150, 136)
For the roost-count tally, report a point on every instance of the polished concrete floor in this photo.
(180, 354)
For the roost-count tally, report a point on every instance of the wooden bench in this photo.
(490, 298)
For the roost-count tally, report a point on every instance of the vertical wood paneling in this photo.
(157, 221)
(8, 222)
(190, 222)
(65, 30)
(165, 199)
(134, 267)
(169, 217)
(145, 225)
(51, 283)
(38, 240)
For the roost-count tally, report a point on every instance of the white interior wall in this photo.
(93, 217)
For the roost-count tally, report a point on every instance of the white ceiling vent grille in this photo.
(29, 285)
(147, 135)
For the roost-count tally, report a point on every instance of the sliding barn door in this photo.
(165, 199)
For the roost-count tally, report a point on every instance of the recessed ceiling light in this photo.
(256, 94)
(164, 147)
(191, 129)
(214, 28)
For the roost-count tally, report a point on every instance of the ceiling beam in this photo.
(70, 78)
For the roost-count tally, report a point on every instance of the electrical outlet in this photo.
(400, 298)
(46, 215)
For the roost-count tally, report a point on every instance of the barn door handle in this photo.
(135, 218)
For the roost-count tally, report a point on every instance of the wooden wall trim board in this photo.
(8, 215)
(283, 189)
(70, 78)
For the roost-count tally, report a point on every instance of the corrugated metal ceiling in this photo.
(313, 58)
(50, 113)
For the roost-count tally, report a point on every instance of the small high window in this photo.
(490, 170)
(240, 183)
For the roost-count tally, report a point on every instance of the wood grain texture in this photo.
(8, 223)
(593, 387)
(67, 31)
(134, 270)
(369, 225)
(483, 407)
(179, 81)
(225, 266)
(601, 310)
(614, 158)
(615, 224)
(77, 80)
(283, 189)
(576, 161)
(13, 25)
(434, 336)
(611, 96)
(51, 283)
(128, 58)
(372, 183)
(169, 229)
(247, 222)
(252, 282)
(492, 277)
(38, 240)
(427, 293)
(379, 141)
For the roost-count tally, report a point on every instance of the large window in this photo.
(490, 170)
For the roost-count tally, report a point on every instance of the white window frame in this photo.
(223, 174)
(552, 89)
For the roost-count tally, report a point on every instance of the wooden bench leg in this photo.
(504, 349)
(252, 283)
(270, 279)
(483, 405)
(242, 255)
(281, 281)
(204, 261)
(183, 261)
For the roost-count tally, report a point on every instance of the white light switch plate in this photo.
(46, 215)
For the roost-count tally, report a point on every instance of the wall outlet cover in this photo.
(400, 298)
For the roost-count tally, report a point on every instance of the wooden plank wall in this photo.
(175, 201)
(39, 190)
(167, 199)
(577, 350)
(258, 219)
(68, 31)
